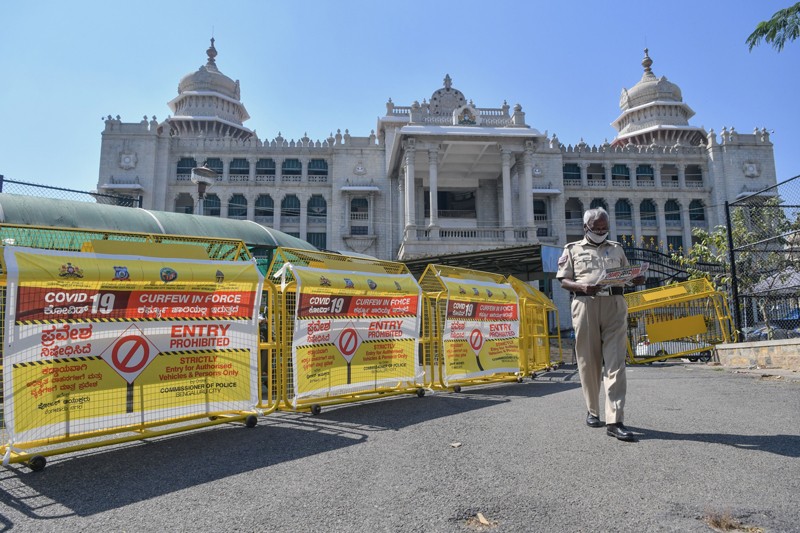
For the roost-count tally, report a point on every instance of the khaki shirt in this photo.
(584, 262)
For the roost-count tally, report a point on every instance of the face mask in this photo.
(597, 238)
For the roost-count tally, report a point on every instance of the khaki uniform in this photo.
(600, 324)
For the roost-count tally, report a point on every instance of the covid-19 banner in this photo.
(481, 329)
(95, 342)
(354, 332)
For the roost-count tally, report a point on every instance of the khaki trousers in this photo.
(600, 324)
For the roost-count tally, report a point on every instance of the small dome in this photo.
(209, 78)
(445, 100)
(649, 89)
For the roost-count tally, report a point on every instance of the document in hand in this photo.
(618, 277)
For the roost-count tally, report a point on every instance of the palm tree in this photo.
(783, 27)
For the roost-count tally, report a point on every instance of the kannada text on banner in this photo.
(481, 329)
(354, 331)
(96, 342)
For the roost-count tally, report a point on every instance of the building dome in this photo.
(209, 78)
(649, 89)
(447, 99)
(653, 112)
(208, 102)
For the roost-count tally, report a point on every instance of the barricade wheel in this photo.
(533, 375)
(37, 463)
(251, 421)
(213, 417)
(456, 388)
(662, 353)
(316, 409)
(519, 379)
(420, 393)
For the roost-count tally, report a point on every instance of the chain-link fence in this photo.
(764, 249)
(60, 193)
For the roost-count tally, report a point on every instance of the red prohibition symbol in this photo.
(476, 339)
(348, 342)
(130, 354)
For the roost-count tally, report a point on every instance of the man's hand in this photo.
(591, 290)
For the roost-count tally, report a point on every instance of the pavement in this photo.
(716, 447)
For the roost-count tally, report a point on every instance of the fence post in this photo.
(1, 183)
(737, 313)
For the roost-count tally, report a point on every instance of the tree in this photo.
(783, 27)
(765, 235)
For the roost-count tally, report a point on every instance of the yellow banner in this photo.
(481, 329)
(94, 342)
(354, 332)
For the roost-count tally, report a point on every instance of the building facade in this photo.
(439, 176)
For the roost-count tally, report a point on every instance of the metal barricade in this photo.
(684, 320)
(470, 328)
(111, 337)
(347, 329)
(540, 351)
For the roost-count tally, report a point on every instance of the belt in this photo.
(608, 291)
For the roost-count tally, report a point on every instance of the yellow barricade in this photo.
(347, 328)
(268, 348)
(470, 328)
(682, 320)
(110, 337)
(539, 350)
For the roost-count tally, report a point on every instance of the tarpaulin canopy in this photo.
(36, 211)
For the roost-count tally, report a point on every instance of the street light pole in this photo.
(204, 178)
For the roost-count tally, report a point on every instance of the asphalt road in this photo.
(713, 444)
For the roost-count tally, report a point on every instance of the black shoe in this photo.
(619, 431)
(592, 421)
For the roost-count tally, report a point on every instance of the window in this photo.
(598, 202)
(291, 167)
(185, 166)
(539, 210)
(290, 209)
(240, 167)
(320, 240)
(620, 172)
(359, 216)
(359, 209)
(573, 210)
(674, 243)
(265, 167)
(453, 204)
(317, 210)
(647, 213)
(622, 211)
(318, 167)
(694, 176)
(672, 211)
(211, 205)
(264, 207)
(237, 207)
(215, 164)
(184, 203)
(697, 211)
(572, 171)
(645, 172)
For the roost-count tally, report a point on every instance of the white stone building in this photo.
(444, 175)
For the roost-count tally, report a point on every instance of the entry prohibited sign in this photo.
(130, 354)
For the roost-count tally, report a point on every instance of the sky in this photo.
(315, 66)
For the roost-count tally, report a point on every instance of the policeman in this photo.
(599, 318)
